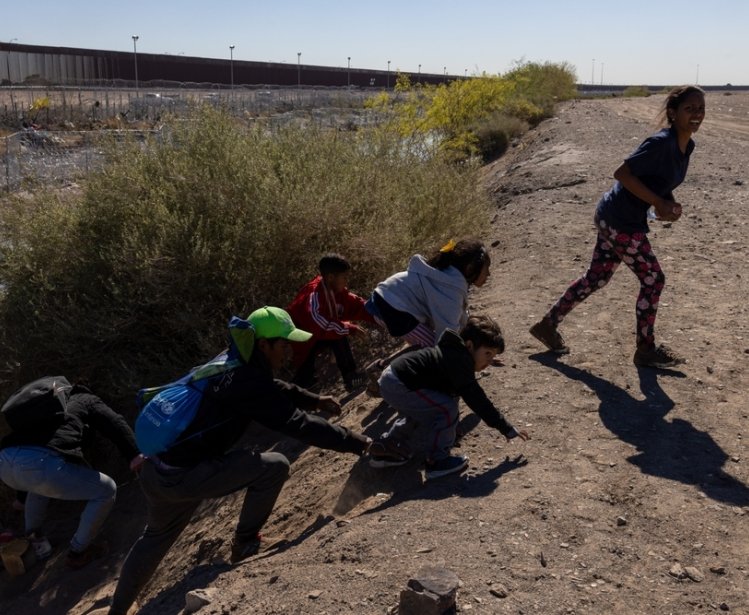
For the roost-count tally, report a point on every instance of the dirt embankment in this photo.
(631, 478)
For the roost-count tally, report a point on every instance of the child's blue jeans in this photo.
(45, 474)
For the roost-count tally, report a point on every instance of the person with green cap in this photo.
(196, 468)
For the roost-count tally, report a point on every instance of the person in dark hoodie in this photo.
(177, 481)
(50, 464)
(424, 386)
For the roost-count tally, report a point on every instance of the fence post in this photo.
(7, 163)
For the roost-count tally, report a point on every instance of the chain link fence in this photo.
(34, 156)
(90, 107)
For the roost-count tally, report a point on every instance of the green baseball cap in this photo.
(270, 322)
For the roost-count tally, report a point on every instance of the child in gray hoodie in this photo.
(419, 304)
(432, 294)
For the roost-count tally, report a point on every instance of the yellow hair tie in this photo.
(448, 247)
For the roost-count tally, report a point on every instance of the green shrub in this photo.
(133, 281)
(493, 135)
(542, 86)
(636, 90)
(450, 113)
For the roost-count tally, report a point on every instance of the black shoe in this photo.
(388, 453)
(242, 549)
(448, 465)
(79, 559)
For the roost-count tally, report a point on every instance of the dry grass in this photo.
(133, 280)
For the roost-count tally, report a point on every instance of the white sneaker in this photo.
(41, 546)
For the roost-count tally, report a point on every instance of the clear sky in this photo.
(633, 42)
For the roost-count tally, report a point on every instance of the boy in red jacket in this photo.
(326, 308)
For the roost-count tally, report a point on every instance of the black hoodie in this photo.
(84, 414)
(448, 368)
(233, 400)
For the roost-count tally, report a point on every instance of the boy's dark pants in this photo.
(173, 495)
(433, 413)
(344, 358)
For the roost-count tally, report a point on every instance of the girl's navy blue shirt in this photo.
(661, 166)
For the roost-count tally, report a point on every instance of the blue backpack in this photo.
(167, 410)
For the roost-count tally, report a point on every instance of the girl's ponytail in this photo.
(469, 256)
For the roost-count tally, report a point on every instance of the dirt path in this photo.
(629, 472)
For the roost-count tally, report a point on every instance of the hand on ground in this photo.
(523, 435)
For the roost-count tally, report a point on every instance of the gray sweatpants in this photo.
(173, 495)
(427, 418)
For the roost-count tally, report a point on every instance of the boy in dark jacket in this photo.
(206, 466)
(49, 464)
(424, 387)
(327, 309)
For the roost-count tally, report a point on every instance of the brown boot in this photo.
(547, 334)
(656, 356)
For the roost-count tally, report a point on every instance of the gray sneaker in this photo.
(547, 334)
(656, 356)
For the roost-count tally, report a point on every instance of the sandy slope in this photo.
(629, 472)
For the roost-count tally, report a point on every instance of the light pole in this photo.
(348, 73)
(298, 68)
(444, 74)
(465, 72)
(231, 65)
(601, 73)
(593, 73)
(388, 80)
(419, 77)
(135, 59)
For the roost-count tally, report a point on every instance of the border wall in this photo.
(41, 65)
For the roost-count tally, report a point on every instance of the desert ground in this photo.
(630, 498)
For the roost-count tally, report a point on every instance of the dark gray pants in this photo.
(427, 418)
(172, 497)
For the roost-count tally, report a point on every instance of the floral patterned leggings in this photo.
(613, 247)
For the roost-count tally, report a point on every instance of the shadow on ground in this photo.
(405, 483)
(674, 449)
